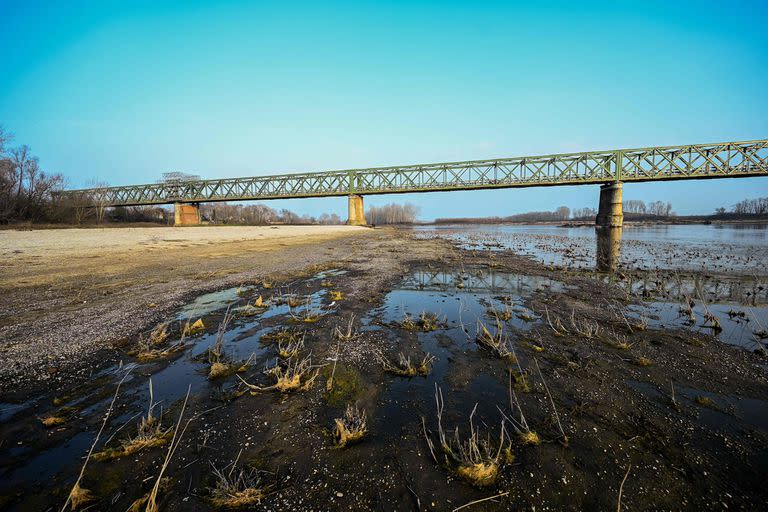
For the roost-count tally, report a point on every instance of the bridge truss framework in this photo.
(720, 160)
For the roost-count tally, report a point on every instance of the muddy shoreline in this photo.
(683, 409)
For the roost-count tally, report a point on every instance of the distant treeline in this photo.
(559, 214)
(633, 210)
(392, 214)
(259, 215)
(745, 208)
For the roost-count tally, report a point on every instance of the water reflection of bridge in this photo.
(475, 280)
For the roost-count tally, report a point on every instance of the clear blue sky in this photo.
(123, 91)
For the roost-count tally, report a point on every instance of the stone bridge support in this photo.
(186, 214)
(356, 211)
(610, 213)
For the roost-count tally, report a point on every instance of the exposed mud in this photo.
(685, 410)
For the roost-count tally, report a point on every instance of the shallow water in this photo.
(721, 269)
(732, 248)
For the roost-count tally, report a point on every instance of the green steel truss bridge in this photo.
(720, 160)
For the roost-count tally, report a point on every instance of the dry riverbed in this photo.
(299, 399)
(68, 294)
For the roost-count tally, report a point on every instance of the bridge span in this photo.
(608, 168)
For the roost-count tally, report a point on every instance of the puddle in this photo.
(459, 298)
(740, 326)
(173, 375)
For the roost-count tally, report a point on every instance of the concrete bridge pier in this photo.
(356, 211)
(608, 248)
(610, 213)
(186, 214)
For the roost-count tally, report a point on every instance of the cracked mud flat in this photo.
(703, 447)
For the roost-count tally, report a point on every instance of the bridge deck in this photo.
(720, 160)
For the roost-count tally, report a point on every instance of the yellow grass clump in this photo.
(530, 438)
(159, 334)
(336, 295)
(295, 375)
(150, 434)
(193, 328)
(53, 421)
(497, 342)
(425, 322)
(290, 348)
(350, 428)
(404, 367)
(474, 458)
(79, 496)
(481, 474)
(237, 489)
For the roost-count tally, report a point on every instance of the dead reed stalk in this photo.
(78, 495)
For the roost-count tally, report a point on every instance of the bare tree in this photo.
(99, 199)
(660, 209)
(20, 157)
(634, 206)
(584, 213)
(563, 213)
(392, 214)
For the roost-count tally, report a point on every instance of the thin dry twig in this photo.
(152, 500)
(621, 489)
(500, 495)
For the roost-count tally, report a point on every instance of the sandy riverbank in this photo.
(68, 293)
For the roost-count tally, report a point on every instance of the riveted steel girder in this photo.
(721, 160)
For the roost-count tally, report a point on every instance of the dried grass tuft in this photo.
(290, 348)
(425, 322)
(159, 334)
(474, 459)
(497, 342)
(404, 367)
(79, 496)
(351, 428)
(293, 375)
(53, 421)
(150, 433)
(643, 361)
(349, 334)
(193, 328)
(238, 488)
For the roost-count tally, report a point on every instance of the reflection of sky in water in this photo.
(170, 377)
(735, 329)
(438, 291)
(464, 297)
(711, 247)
